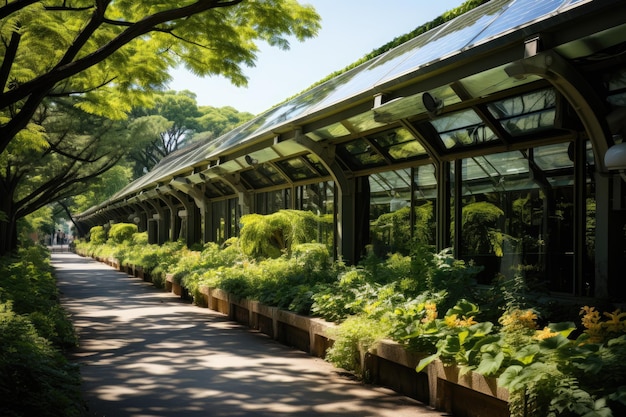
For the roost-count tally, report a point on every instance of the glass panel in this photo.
(617, 80)
(524, 114)
(519, 12)
(268, 171)
(224, 189)
(424, 199)
(360, 153)
(319, 199)
(492, 81)
(520, 221)
(254, 179)
(365, 121)
(315, 162)
(451, 38)
(224, 219)
(297, 169)
(270, 202)
(463, 128)
(392, 226)
(405, 107)
(335, 130)
(553, 157)
(399, 144)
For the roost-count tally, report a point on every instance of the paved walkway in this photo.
(144, 353)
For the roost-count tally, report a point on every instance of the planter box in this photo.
(387, 363)
(169, 280)
(469, 395)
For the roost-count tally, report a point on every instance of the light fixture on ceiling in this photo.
(250, 160)
(432, 104)
(615, 157)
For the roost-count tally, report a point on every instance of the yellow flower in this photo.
(546, 333)
(615, 324)
(591, 316)
(451, 320)
(431, 312)
(593, 326)
(518, 320)
(527, 318)
(466, 322)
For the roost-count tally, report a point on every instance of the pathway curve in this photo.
(144, 353)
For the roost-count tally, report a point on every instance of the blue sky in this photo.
(350, 30)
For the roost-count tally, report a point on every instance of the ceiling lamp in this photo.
(615, 157)
(250, 160)
(433, 105)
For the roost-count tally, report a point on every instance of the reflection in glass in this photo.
(518, 216)
(398, 219)
(527, 113)
(272, 201)
(360, 153)
(319, 199)
(297, 169)
(464, 128)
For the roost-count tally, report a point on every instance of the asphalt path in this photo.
(145, 353)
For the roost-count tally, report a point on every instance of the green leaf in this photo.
(564, 328)
(527, 354)
(490, 364)
(555, 342)
(463, 309)
(619, 395)
(426, 361)
(481, 329)
(462, 336)
(508, 378)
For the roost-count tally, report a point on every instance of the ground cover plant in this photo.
(35, 377)
(427, 301)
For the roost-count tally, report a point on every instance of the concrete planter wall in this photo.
(388, 363)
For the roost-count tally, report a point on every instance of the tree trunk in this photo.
(8, 220)
(8, 235)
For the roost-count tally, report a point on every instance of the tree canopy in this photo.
(114, 53)
(72, 70)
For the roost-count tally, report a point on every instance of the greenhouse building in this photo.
(497, 134)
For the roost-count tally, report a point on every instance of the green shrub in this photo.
(121, 232)
(356, 335)
(271, 235)
(97, 235)
(35, 378)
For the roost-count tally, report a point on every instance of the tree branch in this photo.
(9, 57)
(67, 93)
(38, 88)
(65, 68)
(57, 188)
(13, 7)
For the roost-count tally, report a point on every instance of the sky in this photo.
(350, 30)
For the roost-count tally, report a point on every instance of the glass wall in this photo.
(272, 201)
(319, 198)
(518, 216)
(402, 209)
(225, 219)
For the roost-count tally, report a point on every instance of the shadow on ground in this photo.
(145, 353)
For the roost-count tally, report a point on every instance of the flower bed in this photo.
(507, 353)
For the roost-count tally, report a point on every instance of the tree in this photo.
(79, 148)
(173, 123)
(148, 147)
(215, 121)
(110, 56)
(114, 53)
(162, 129)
